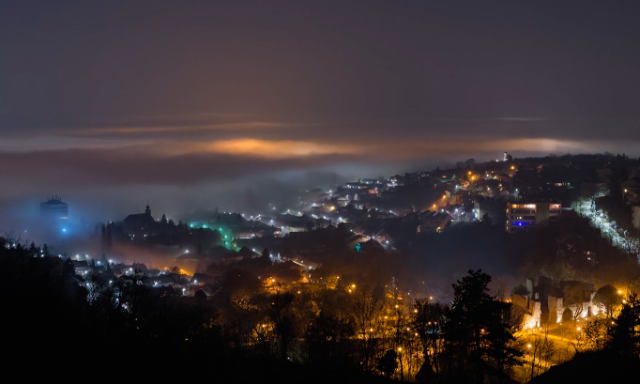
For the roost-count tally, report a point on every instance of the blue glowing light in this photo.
(64, 230)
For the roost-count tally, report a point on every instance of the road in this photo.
(601, 220)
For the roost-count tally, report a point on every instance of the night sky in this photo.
(172, 100)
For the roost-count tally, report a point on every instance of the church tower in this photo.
(147, 211)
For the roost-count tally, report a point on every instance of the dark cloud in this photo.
(89, 89)
(118, 167)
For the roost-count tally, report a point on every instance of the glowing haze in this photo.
(115, 104)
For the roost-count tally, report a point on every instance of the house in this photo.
(355, 240)
(246, 253)
(163, 280)
(433, 221)
(636, 217)
(203, 278)
(342, 201)
(383, 237)
(139, 267)
(81, 267)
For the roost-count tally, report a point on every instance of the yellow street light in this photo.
(399, 349)
(528, 345)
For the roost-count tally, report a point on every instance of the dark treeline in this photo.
(337, 331)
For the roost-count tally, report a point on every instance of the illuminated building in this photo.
(54, 209)
(521, 216)
(550, 301)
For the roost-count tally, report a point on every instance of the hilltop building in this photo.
(54, 209)
(139, 223)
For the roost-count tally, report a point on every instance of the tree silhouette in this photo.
(33, 251)
(487, 220)
(625, 333)
(608, 296)
(478, 339)
(68, 269)
(200, 295)
(388, 363)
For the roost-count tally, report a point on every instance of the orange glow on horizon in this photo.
(278, 148)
